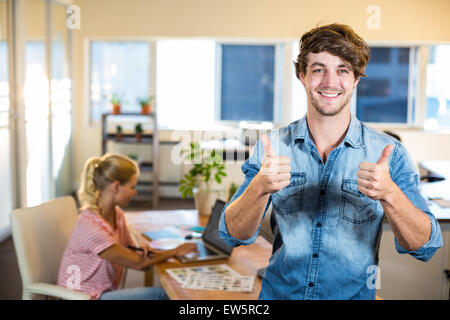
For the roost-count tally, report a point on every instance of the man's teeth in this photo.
(329, 95)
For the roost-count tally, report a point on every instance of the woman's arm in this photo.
(127, 258)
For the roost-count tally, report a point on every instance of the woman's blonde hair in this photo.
(98, 173)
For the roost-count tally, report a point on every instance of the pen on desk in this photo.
(135, 248)
(149, 253)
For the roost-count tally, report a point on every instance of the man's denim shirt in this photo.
(327, 233)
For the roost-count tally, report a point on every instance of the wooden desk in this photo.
(439, 190)
(245, 259)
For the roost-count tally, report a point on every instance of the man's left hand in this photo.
(374, 179)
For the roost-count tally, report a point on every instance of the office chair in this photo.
(40, 235)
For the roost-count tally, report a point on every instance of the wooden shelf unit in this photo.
(145, 166)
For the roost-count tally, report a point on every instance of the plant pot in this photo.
(205, 200)
(116, 109)
(145, 109)
(119, 137)
(138, 137)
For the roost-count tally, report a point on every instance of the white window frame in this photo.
(412, 88)
(279, 98)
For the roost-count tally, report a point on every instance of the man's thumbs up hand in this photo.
(268, 152)
(275, 172)
(385, 154)
(374, 179)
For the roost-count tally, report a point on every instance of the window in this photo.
(185, 83)
(383, 96)
(197, 82)
(6, 205)
(121, 69)
(438, 88)
(247, 82)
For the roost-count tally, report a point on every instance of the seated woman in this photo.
(98, 248)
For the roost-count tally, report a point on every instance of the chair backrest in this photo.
(40, 235)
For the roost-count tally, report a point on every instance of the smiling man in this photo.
(331, 180)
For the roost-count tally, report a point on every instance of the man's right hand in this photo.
(275, 172)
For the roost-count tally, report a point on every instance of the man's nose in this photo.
(330, 80)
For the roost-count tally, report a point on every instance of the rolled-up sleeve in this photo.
(427, 251)
(250, 168)
(405, 175)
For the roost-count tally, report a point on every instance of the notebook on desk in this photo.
(210, 246)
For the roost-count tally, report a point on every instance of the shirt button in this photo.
(310, 284)
(315, 255)
(322, 192)
(318, 224)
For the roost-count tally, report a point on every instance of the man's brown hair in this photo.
(337, 39)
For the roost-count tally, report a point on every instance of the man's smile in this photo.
(329, 95)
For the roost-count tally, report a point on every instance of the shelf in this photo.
(146, 166)
(130, 138)
(150, 192)
(126, 114)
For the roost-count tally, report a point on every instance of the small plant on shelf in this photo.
(133, 156)
(116, 103)
(119, 134)
(146, 104)
(138, 130)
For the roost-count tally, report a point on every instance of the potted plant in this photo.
(198, 181)
(116, 103)
(138, 130)
(146, 104)
(119, 133)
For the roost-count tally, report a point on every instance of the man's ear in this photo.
(356, 82)
(301, 77)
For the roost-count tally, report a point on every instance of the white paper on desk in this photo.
(219, 282)
(181, 274)
(212, 277)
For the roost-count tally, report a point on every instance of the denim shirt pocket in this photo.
(290, 199)
(356, 207)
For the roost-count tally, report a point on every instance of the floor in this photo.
(10, 281)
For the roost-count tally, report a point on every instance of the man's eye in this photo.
(317, 70)
(343, 71)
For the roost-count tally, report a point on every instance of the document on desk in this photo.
(213, 277)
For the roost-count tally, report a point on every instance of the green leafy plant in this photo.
(205, 168)
(119, 129)
(133, 156)
(138, 129)
(115, 100)
(146, 101)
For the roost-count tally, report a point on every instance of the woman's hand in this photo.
(185, 248)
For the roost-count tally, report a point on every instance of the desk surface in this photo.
(245, 259)
(437, 190)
